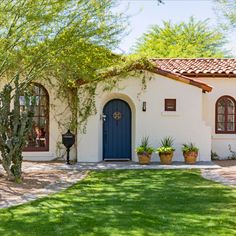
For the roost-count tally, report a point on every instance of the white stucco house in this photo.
(191, 100)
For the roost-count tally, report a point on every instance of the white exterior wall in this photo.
(221, 87)
(184, 125)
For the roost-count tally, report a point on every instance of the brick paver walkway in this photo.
(225, 175)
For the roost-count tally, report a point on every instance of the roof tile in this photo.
(203, 66)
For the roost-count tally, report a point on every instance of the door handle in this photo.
(103, 116)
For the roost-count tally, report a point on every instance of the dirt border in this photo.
(40, 180)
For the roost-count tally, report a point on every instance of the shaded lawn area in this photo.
(129, 202)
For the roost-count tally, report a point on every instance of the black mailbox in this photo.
(68, 139)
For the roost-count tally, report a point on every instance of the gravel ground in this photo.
(40, 179)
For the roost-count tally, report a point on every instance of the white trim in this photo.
(170, 113)
(224, 136)
(38, 156)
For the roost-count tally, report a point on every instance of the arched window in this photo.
(38, 139)
(225, 115)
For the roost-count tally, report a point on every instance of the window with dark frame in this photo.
(170, 104)
(225, 115)
(38, 138)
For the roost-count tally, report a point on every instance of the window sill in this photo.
(37, 153)
(38, 156)
(223, 136)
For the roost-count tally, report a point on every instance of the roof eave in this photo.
(184, 79)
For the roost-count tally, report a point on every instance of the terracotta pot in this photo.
(166, 158)
(190, 157)
(144, 159)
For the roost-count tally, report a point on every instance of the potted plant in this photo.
(144, 151)
(190, 152)
(166, 150)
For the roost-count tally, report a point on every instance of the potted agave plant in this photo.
(144, 151)
(190, 152)
(166, 150)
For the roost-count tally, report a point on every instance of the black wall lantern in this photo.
(68, 139)
(144, 106)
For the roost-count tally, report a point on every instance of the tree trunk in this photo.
(16, 167)
(7, 167)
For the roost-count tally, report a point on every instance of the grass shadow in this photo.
(129, 202)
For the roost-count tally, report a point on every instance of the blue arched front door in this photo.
(116, 130)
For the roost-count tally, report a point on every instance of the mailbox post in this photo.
(68, 139)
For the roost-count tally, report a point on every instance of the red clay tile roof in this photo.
(158, 70)
(199, 66)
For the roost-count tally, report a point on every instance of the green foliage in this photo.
(145, 147)
(214, 156)
(193, 39)
(165, 150)
(166, 145)
(61, 36)
(167, 142)
(81, 51)
(189, 147)
(125, 65)
(226, 11)
(232, 153)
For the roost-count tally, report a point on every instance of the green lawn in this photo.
(133, 202)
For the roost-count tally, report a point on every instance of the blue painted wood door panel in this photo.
(117, 130)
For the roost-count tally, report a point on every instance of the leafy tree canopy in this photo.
(187, 40)
(62, 35)
(227, 10)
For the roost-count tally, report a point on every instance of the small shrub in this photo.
(166, 145)
(189, 147)
(233, 153)
(165, 149)
(144, 147)
(167, 142)
(214, 156)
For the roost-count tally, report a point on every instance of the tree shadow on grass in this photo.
(129, 202)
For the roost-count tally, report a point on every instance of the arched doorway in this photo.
(117, 130)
